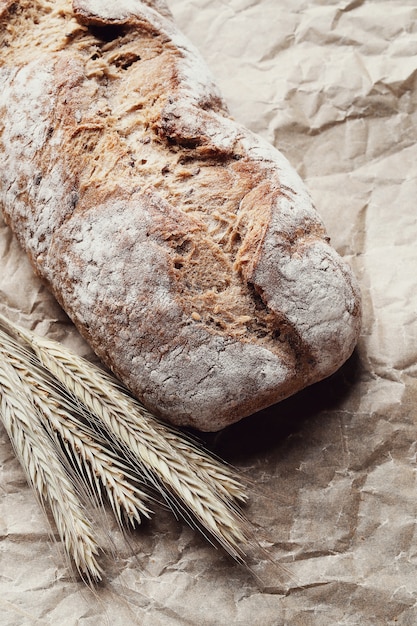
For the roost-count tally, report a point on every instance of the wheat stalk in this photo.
(44, 470)
(186, 476)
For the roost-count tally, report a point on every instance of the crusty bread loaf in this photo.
(185, 249)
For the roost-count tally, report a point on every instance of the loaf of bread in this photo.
(185, 249)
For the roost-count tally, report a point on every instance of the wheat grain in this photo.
(222, 477)
(127, 501)
(44, 469)
(84, 444)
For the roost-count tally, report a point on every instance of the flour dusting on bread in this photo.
(184, 247)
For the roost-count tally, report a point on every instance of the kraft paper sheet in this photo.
(333, 84)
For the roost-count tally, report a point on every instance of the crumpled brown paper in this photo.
(333, 84)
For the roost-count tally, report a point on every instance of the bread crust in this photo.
(185, 249)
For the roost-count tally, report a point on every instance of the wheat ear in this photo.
(160, 461)
(98, 465)
(222, 477)
(44, 470)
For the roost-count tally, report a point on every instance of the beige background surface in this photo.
(333, 84)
